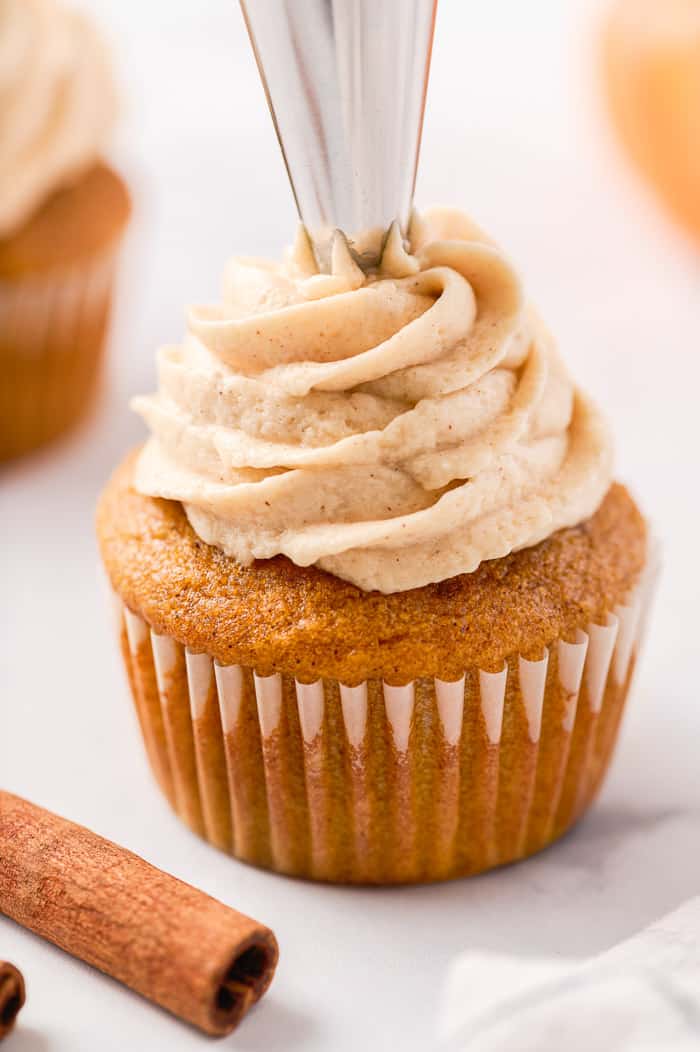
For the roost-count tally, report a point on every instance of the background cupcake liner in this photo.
(378, 783)
(52, 330)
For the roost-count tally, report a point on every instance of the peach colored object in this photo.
(651, 70)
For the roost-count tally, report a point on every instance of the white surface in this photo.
(643, 995)
(513, 133)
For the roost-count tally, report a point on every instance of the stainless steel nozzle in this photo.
(346, 83)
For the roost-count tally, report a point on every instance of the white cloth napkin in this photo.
(641, 996)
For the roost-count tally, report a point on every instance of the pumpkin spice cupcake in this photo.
(62, 216)
(379, 599)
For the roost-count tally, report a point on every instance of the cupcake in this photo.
(62, 215)
(378, 597)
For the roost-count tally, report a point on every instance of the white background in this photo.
(515, 133)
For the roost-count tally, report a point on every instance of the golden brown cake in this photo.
(378, 596)
(62, 216)
(56, 277)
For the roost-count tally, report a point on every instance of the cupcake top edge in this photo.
(58, 103)
(395, 429)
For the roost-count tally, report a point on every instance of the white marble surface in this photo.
(514, 134)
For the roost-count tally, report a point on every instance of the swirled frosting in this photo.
(394, 430)
(57, 103)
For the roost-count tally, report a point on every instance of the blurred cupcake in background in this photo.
(651, 61)
(62, 215)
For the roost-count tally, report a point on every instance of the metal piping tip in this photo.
(346, 83)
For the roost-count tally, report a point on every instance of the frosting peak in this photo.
(57, 103)
(394, 429)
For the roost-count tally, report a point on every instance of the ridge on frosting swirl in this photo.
(394, 429)
(57, 103)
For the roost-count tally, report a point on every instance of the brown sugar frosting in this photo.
(395, 430)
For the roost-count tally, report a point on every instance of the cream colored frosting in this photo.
(395, 429)
(57, 103)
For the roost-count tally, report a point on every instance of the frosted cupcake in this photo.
(62, 215)
(379, 598)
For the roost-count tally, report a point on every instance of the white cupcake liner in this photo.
(378, 783)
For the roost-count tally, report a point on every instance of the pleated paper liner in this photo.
(377, 783)
(52, 334)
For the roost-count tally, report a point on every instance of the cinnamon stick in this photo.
(11, 996)
(175, 945)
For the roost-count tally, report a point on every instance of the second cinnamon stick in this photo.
(11, 996)
(171, 943)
